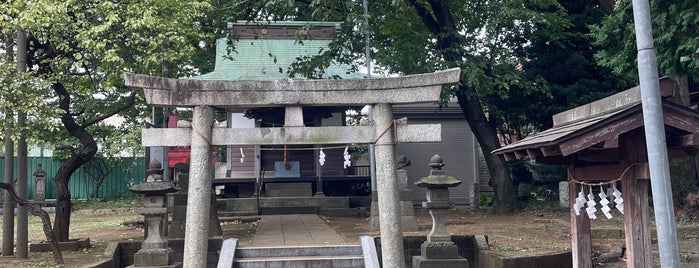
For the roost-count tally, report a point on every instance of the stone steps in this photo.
(299, 256)
(292, 256)
(302, 261)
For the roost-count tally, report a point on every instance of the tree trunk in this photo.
(98, 184)
(76, 160)
(504, 199)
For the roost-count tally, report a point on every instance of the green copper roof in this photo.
(263, 59)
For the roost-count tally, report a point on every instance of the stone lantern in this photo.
(39, 183)
(438, 250)
(154, 250)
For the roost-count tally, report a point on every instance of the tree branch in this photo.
(442, 14)
(426, 17)
(128, 104)
(45, 220)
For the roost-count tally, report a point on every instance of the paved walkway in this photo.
(294, 230)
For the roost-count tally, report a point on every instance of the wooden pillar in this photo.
(581, 244)
(636, 222)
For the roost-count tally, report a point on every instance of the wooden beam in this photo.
(611, 172)
(601, 134)
(608, 155)
(681, 121)
(611, 143)
(519, 154)
(533, 153)
(290, 135)
(689, 140)
(553, 160)
(551, 150)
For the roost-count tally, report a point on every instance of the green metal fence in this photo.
(130, 172)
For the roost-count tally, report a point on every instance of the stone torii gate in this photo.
(204, 95)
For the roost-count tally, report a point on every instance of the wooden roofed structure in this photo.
(603, 143)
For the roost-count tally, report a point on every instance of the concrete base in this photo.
(288, 210)
(174, 265)
(154, 258)
(72, 245)
(420, 262)
(408, 221)
(122, 254)
(249, 204)
(439, 250)
(288, 189)
(179, 217)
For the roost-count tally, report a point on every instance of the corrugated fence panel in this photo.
(129, 173)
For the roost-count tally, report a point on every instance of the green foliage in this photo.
(684, 180)
(486, 200)
(675, 34)
(79, 50)
(86, 46)
(552, 56)
(687, 220)
(22, 92)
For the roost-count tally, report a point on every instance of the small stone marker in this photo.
(39, 183)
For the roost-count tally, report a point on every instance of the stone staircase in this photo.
(299, 256)
(312, 256)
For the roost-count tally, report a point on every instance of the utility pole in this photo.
(655, 136)
(22, 188)
(8, 208)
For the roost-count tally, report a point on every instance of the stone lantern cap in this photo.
(437, 178)
(39, 171)
(154, 182)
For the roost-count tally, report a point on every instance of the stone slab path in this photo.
(294, 230)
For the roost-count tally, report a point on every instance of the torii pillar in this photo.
(386, 184)
(199, 193)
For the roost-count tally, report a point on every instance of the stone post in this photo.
(39, 183)
(408, 221)
(563, 194)
(387, 188)
(154, 251)
(179, 202)
(438, 250)
(199, 192)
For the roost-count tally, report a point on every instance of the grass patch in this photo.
(509, 249)
(123, 202)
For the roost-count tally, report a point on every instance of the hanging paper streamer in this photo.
(242, 156)
(347, 157)
(604, 202)
(321, 157)
(618, 200)
(591, 205)
(579, 202)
